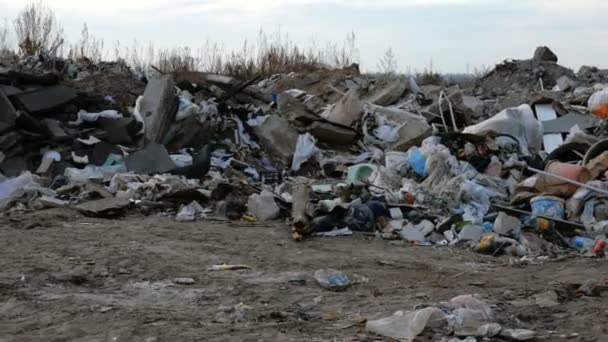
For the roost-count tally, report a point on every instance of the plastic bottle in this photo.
(599, 247)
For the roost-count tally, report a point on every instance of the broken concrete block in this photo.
(455, 96)
(348, 110)
(190, 132)
(52, 202)
(9, 90)
(151, 160)
(46, 99)
(544, 54)
(9, 140)
(158, 108)
(119, 131)
(277, 137)
(332, 134)
(518, 334)
(13, 167)
(506, 225)
(411, 134)
(412, 234)
(547, 299)
(55, 130)
(564, 83)
(293, 110)
(8, 114)
(476, 105)
(389, 95)
(470, 233)
(107, 207)
(102, 151)
(314, 104)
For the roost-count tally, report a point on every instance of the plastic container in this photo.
(599, 247)
(417, 161)
(332, 280)
(548, 206)
(360, 172)
(488, 227)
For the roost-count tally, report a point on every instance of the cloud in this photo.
(210, 6)
(168, 7)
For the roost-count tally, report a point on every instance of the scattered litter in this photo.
(184, 281)
(228, 267)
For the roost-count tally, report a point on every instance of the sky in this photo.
(453, 35)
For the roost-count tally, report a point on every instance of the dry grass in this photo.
(4, 39)
(38, 31)
(270, 54)
(88, 47)
(429, 76)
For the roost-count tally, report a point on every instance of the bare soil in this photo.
(65, 277)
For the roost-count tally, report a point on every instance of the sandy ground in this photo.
(65, 277)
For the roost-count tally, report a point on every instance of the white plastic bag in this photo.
(305, 149)
(190, 212)
(186, 107)
(182, 160)
(84, 116)
(263, 206)
(93, 172)
(518, 122)
(406, 325)
(10, 186)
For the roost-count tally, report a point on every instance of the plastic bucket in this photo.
(548, 206)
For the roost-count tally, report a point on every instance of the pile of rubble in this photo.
(335, 151)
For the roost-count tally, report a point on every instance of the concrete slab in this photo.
(153, 159)
(46, 99)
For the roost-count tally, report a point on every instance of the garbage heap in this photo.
(334, 151)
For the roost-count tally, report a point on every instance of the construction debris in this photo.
(399, 166)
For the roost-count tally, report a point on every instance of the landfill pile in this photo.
(334, 152)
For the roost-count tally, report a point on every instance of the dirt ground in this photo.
(66, 277)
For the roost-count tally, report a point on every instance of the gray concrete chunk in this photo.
(277, 137)
(158, 108)
(46, 99)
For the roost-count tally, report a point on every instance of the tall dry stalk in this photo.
(37, 30)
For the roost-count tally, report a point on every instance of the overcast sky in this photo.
(455, 34)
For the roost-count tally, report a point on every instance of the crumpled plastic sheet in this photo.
(306, 148)
(190, 212)
(407, 325)
(182, 159)
(186, 107)
(23, 188)
(151, 188)
(518, 122)
(476, 201)
(138, 116)
(209, 107)
(75, 175)
(263, 206)
(84, 116)
(257, 121)
(576, 203)
(577, 135)
(244, 137)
